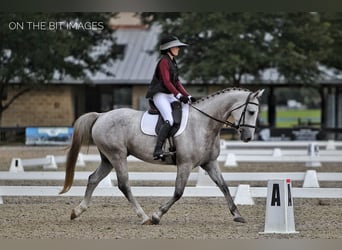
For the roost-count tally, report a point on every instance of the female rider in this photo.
(166, 88)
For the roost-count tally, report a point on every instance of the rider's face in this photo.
(175, 51)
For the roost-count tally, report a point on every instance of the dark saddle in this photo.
(170, 155)
(176, 114)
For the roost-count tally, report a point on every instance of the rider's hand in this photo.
(191, 99)
(183, 99)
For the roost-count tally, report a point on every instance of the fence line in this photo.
(328, 145)
(310, 178)
(231, 153)
(163, 191)
(229, 158)
(204, 186)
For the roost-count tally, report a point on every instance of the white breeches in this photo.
(163, 103)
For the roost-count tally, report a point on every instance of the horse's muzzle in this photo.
(245, 134)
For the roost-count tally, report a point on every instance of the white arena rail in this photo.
(50, 161)
(228, 157)
(232, 153)
(233, 160)
(328, 145)
(203, 188)
(162, 191)
(171, 176)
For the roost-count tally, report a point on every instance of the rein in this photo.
(228, 123)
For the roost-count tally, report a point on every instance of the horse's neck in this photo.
(220, 105)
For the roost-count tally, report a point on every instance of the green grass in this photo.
(287, 118)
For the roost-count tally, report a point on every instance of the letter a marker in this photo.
(279, 208)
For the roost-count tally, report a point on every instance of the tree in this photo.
(37, 48)
(227, 46)
(334, 21)
(301, 42)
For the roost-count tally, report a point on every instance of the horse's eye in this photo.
(251, 113)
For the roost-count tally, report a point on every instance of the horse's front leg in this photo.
(215, 174)
(183, 172)
(124, 186)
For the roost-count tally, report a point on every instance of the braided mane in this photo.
(221, 92)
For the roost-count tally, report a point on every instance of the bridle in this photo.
(241, 122)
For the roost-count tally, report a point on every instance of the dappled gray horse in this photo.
(117, 134)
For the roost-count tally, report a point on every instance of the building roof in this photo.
(139, 60)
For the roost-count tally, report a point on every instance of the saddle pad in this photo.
(148, 122)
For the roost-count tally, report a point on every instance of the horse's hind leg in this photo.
(215, 174)
(123, 184)
(94, 179)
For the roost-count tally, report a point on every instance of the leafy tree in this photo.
(334, 21)
(301, 42)
(35, 55)
(227, 46)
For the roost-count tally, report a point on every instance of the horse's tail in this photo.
(81, 135)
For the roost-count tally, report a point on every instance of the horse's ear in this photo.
(258, 93)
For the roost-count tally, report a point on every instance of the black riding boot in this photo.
(163, 134)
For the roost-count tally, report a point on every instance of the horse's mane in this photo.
(219, 92)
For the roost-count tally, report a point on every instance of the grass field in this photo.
(287, 118)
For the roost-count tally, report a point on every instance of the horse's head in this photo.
(245, 115)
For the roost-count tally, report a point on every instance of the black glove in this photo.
(183, 99)
(192, 99)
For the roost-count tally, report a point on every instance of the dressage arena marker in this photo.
(277, 152)
(243, 195)
(52, 165)
(16, 165)
(80, 161)
(279, 208)
(311, 179)
(313, 152)
(230, 161)
(106, 182)
(203, 179)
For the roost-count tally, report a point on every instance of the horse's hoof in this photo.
(155, 220)
(147, 222)
(240, 219)
(73, 215)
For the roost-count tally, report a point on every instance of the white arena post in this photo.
(279, 208)
(52, 165)
(203, 179)
(310, 179)
(313, 152)
(277, 152)
(16, 165)
(106, 182)
(230, 160)
(330, 145)
(243, 195)
(80, 161)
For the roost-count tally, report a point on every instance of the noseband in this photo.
(241, 122)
